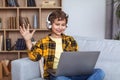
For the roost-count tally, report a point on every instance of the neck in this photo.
(55, 36)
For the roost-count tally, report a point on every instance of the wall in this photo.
(86, 17)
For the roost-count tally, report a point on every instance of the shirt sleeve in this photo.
(36, 52)
(73, 44)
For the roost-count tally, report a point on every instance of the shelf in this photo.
(19, 30)
(11, 20)
(1, 8)
(12, 51)
(30, 7)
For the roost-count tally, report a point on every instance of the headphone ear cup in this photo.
(49, 25)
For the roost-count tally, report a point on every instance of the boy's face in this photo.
(58, 27)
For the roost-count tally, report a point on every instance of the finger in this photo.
(24, 27)
(28, 27)
(21, 30)
(33, 31)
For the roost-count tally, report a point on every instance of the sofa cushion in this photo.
(38, 79)
(25, 69)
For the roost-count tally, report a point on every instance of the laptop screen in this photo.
(77, 63)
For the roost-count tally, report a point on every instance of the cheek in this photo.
(64, 28)
(54, 26)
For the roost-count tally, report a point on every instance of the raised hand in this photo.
(27, 35)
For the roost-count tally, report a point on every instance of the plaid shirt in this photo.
(46, 48)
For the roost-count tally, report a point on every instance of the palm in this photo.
(26, 32)
(27, 35)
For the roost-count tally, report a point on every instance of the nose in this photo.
(61, 27)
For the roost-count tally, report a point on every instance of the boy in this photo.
(51, 46)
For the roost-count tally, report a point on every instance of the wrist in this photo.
(28, 44)
(27, 41)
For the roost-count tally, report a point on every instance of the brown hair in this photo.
(61, 15)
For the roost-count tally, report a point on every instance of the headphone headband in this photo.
(48, 23)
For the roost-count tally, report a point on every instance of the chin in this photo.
(59, 34)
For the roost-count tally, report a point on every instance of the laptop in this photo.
(76, 63)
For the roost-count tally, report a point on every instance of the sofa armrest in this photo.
(24, 69)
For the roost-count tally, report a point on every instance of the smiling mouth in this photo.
(59, 30)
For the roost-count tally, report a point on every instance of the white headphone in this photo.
(48, 23)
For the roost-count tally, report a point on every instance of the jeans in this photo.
(98, 74)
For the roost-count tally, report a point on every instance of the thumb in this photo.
(33, 31)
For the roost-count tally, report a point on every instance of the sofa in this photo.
(25, 69)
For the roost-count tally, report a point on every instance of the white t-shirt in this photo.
(58, 51)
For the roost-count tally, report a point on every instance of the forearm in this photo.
(29, 44)
(34, 51)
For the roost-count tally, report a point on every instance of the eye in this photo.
(63, 24)
(57, 24)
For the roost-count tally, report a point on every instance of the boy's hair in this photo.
(61, 15)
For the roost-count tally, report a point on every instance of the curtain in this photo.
(116, 21)
(109, 19)
(112, 22)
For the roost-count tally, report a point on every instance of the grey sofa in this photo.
(25, 69)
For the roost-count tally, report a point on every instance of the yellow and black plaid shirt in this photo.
(46, 48)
